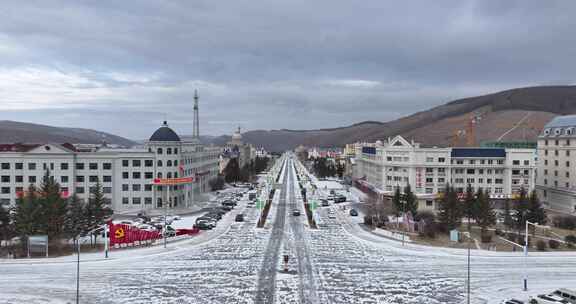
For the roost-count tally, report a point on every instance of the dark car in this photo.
(296, 212)
(340, 199)
(202, 225)
(324, 203)
(216, 216)
(170, 232)
(227, 207)
(239, 217)
(353, 212)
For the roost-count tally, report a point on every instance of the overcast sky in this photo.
(122, 66)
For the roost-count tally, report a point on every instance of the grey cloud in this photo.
(279, 64)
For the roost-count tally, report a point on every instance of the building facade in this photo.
(383, 166)
(556, 182)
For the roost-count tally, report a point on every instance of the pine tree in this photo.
(96, 210)
(232, 171)
(397, 202)
(469, 205)
(485, 215)
(508, 219)
(5, 225)
(411, 201)
(520, 210)
(535, 212)
(450, 210)
(75, 223)
(53, 207)
(26, 215)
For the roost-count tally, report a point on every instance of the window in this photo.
(567, 174)
(429, 159)
(32, 179)
(125, 175)
(93, 166)
(19, 166)
(147, 187)
(159, 174)
(148, 163)
(64, 166)
(159, 151)
(125, 163)
(459, 162)
(515, 181)
(5, 190)
(5, 178)
(556, 142)
(480, 180)
(429, 190)
(498, 190)
(568, 164)
(488, 180)
(441, 159)
(169, 175)
(515, 172)
(389, 158)
(556, 184)
(80, 190)
(498, 181)
(136, 187)
(545, 171)
(79, 166)
(5, 166)
(148, 175)
(107, 190)
(107, 178)
(159, 163)
(169, 151)
(80, 178)
(148, 201)
(93, 178)
(136, 175)
(567, 152)
(441, 180)
(526, 172)
(175, 163)
(545, 182)
(556, 163)
(64, 179)
(501, 162)
(546, 141)
(526, 163)
(546, 152)
(472, 162)
(567, 185)
(136, 201)
(136, 163)
(429, 180)
(470, 171)
(429, 170)
(169, 163)
(441, 170)
(125, 201)
(469, 180)
(125, 187)
(107, 166)
(480, 171)
(490, 161)
(546, 162)
(19, 178)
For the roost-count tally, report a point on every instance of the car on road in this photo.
(353, 212)
(548, 299)
(512, 301)
(295, 212)
(567, 294)
(324, 203)
(239, 217)
(340, 199)
(227, 207)
(210, 221)
(169, 231)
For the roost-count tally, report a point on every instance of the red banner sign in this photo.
(126, 234)
(173, 181)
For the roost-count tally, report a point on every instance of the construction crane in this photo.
(469, 133)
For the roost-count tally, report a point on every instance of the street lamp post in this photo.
(467, 234)
(526, 251)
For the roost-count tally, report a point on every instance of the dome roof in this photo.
(164, 133)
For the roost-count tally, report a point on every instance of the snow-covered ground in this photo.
(338, 263)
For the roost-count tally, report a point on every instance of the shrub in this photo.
(570, 239)
(553, 244)
(486, 238)
(541, 245)
(368, 220)
(564, 222)
(426, 216)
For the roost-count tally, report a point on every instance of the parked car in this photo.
(227, 207)
(353, 212)
(214, 215)
(203, 225)
(512, 301)
(169, 231)
(567, 294)
(340, 199)
(239, 217)
(324, 203)
(548, 299)
(296, 212)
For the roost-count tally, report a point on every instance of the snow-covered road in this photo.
(238, 263)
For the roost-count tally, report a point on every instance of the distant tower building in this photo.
(196, 131)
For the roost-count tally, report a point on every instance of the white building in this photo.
(126, 175)
(556, 183)
(382, 167)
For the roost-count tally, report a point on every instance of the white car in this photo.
(548, 299)
(512, 301)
